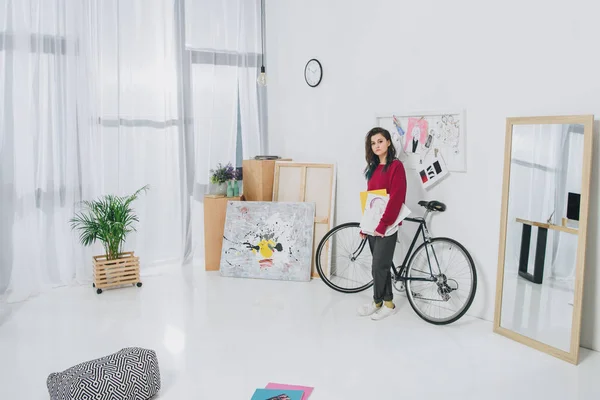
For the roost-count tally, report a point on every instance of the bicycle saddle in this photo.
(433, 205)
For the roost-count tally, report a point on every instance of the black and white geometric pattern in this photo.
(129, 374)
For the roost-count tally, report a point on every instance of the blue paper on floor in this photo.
(277, 394)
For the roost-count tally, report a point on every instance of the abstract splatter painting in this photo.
(268, 240)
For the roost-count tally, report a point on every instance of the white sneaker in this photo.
(368, 309)
(383, 312)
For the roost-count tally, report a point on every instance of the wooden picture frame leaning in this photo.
(309, 182)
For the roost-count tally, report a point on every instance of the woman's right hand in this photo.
(362, 236)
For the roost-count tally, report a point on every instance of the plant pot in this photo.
(218, 189)
(112, 273)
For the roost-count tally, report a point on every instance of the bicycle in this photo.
(444, 289)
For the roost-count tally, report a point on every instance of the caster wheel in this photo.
(93, 285)
(98, 291)
(139, 284)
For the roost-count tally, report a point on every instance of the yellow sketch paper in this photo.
(363, 197)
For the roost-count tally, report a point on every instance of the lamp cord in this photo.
(262, 35)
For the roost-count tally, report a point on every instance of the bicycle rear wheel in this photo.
(450, 296)
(343, 259)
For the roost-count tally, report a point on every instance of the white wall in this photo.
(493, 59)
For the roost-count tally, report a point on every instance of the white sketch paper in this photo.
(374, 209)
(268, 240)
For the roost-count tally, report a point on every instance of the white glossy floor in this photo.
(540, 311)
(222, 338)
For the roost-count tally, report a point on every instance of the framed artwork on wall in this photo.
(420, 138)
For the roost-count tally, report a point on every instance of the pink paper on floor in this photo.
(307, 390)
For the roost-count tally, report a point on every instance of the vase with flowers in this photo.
(219, 178)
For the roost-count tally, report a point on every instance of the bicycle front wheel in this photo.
(448, 297)
(343, 259)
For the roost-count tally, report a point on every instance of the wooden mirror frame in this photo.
(587, 121)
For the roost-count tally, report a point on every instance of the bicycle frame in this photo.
(421, 231)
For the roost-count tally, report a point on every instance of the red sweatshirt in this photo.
(394, 182)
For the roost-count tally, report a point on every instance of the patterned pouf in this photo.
(129, 374)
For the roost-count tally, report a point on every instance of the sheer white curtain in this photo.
(564, 248)
(134, 49)
(106, 96)
(223, 38)
(42, 144)
(89, 105)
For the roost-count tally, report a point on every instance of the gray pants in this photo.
(382, 249)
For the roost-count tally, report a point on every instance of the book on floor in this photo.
(306, 389)
(277, 394)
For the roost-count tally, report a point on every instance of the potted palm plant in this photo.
(109, 220)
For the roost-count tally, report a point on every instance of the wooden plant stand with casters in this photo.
(112, 273)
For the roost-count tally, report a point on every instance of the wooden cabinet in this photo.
(258, 179)
(215, 209)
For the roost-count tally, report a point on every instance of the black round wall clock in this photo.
(313, 72)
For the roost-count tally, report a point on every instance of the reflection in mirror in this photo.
(540, 263)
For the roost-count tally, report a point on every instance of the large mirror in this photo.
(543, 232)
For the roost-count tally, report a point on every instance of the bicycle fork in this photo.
(357, 252)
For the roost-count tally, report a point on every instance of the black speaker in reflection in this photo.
(573, 206)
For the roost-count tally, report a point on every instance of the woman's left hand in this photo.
(378, 234)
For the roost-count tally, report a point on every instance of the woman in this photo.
(383, 171)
